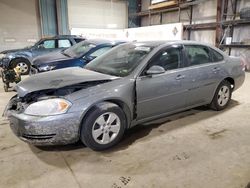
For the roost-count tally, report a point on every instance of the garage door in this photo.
(19, 25)
(98, 14)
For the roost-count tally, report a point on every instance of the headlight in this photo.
(2, 56)
(48, 107)
(46, 68)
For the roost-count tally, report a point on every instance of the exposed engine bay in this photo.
(19, 104)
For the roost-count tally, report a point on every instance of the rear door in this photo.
(162, 93)
(203, 73)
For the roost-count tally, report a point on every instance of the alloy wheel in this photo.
(106, 128)
(23, 67)
(223, 95)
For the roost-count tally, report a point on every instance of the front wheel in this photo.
(222, 96)
(103, 126)
(23, 66)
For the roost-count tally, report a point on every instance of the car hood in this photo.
(15, 50)
(50, 57)
(58, 79)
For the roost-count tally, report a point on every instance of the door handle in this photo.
(216, 69)
(180, 77)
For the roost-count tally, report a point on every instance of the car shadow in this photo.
(168, 124)
(143, 131)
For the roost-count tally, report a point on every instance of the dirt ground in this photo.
(199, 148)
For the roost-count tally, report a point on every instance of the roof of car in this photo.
(162, 42)
(62, 36)
(103, 41)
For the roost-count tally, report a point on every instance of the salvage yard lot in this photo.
(196, 148)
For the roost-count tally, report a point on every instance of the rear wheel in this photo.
(103, 127)
(222, 96)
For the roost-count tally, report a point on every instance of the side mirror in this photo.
(40, 46)
(156, 69)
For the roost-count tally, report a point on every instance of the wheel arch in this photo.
(115, 101)
(231, 81)
(19, 58)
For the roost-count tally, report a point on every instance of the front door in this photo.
(162, 93)
(44, 47)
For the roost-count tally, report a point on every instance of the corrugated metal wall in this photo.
(48, 17)
(19, 24)
(97, 14)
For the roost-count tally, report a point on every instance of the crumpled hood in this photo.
(58, 79)
(50, 58)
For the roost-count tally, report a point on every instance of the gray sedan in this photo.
(132, 84)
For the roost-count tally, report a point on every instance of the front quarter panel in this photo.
(121, 90)
(20, 54)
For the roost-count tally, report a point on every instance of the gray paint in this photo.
(143, 98)
(58, 79)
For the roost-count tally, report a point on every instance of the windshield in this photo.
(79, 49)
(120, 61)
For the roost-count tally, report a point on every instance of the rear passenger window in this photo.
(198, 54)
(63, 43)
(216, 56)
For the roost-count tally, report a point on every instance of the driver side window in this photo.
(169, 59)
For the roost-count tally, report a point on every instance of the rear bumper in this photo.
(50, 130)
(238, 81)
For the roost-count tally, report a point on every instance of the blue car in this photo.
(22, 58)
(76, 56)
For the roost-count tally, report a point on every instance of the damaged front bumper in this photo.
(51, 130)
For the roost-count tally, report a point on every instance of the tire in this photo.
(97, 132)
(222, 96)
(23, 65)
(245, 13)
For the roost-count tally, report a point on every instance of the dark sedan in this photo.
(22, 58)
(76, 56)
